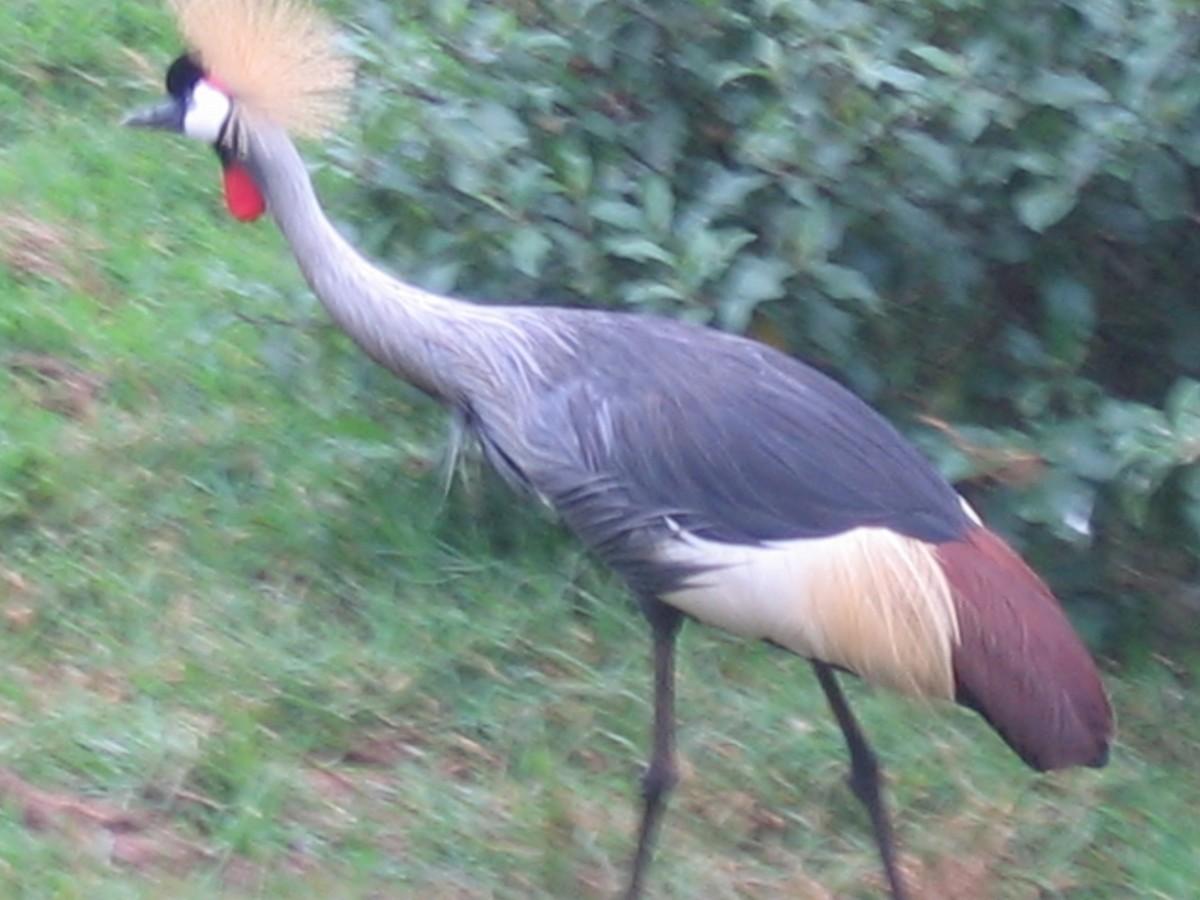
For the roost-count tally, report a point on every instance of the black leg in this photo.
(662, 773)
(864, 776)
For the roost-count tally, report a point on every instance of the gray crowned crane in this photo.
(723, 480)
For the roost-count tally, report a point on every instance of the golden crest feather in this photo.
(277, 58)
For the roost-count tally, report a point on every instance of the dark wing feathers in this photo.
(648, 419)
(641, 426)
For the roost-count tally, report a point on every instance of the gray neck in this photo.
(422, 337)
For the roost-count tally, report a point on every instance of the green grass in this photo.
(249, 647)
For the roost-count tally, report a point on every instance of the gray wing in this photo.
(649, 421)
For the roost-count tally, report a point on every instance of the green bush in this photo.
(980, 216)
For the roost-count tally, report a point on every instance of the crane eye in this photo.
(182, 76)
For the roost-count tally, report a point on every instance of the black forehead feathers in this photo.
(183, 75)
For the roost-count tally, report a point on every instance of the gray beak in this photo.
(166, 116)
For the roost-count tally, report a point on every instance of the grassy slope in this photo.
(248, 647)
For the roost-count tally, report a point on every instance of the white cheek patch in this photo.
(208, 111)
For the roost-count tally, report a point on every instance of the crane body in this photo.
(725, 481)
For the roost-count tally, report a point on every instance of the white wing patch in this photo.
(970, 511)
(869, 600)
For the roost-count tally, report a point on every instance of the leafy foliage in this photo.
(979, 215)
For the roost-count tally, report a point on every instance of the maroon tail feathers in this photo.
(1018, 662)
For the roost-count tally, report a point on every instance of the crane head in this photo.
(197, 106)
(249, 63)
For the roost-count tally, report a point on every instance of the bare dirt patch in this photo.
(35, 248)
(57, 385)
(138, 839)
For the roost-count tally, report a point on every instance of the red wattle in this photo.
(242, 196)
